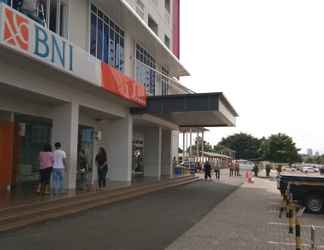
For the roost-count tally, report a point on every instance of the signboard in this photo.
(26, 36)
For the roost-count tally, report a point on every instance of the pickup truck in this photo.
(306, 190)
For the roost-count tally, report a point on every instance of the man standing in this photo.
(207, 169)
(217, 169)
(58, 169)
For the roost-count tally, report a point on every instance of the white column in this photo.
(183, 144)
(120, 136)
(197, 145)
(190, 150)
(152, 152)
(202, 146)
(166, 152)
(65, 131)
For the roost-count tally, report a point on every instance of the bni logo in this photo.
(16, 30)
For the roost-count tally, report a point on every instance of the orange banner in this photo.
(119, 84)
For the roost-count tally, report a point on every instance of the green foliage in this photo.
(246, 146)
(280, 148)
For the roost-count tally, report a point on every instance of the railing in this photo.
(158, 83)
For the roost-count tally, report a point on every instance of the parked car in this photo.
(309, 170)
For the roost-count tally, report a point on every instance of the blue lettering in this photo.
(71, 57)
(59, 50)
(41, 42)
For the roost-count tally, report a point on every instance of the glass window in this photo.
(63, 28)
(145, 69)
(52, 14)
(153, 25)
(167, 5)
(106, 39)
(167, 41)
(100, 39)
(93, 35)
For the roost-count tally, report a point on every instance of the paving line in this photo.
(292, 244)
(286, 224)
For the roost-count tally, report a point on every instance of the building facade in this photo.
(87, 74)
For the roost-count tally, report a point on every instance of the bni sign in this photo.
(25, 35)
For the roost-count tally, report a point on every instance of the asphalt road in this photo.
(150, 222)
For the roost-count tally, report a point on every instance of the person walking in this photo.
(46, 160)
(231, 170)
(102, 167)
(58, 169)
(217, 170)
(268, 170)
(256, 169)
(207, 169)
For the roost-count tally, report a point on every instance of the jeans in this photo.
(217, 174)
(58, 178)
(102, 174)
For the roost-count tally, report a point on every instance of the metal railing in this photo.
(157, 83)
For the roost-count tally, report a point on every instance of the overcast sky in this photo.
(268, 59)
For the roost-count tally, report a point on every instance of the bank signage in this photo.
(22, 34)
(25, 35)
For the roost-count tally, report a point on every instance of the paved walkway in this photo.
(247, 220)
(149, 222)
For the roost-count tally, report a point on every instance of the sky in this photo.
(267, 57)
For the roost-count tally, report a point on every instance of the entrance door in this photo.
(85, 156)
(6, 153)
(32, 134)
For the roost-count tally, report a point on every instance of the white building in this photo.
(91, 73)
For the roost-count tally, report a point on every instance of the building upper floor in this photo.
(140, 45)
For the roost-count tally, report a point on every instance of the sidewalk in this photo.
(247, 220)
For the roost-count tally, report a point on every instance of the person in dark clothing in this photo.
(268, 170)
(102, 166)
(217, 169)
(256, 169)
(207, 169)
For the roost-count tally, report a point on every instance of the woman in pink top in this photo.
(46, 160)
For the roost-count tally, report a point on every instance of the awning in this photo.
(192, 110)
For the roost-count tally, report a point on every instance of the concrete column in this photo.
(184, 145)
(197, 145)
(174, 148)
(65, 131)
(202, 146)
(120, 136)
(190, 147)
(166, 153)
(152, 152)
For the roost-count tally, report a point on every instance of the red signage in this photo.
(119, 84)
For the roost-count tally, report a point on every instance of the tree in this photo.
(245, 145)
(207, 146)
(280, 148)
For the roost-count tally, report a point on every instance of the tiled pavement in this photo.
(248, 220)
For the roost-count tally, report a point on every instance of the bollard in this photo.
(313, 238)
(282, 207)
(299, 213)
(291, 217)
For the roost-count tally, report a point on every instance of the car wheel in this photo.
(314, 204)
